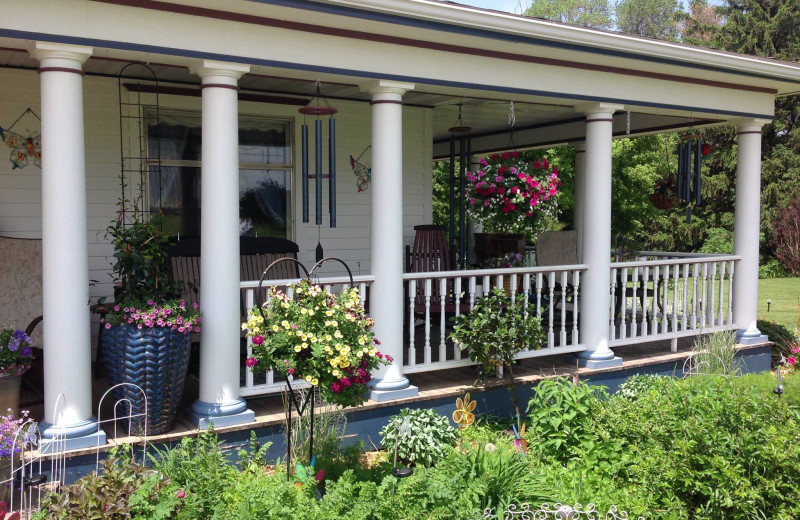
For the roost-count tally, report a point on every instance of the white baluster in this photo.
(721, 307)
(685, 304)
(248, 371)
(712, 292)
(634, 327)
(612, 329)
(412, 296)
(696, 303)
(623, 329)
(730, 292)
(550, 335)
(562, 340)
(576, 278)
(539, 296)
(473, 282)
(443, 297)
(427, 349)
(457, 289)
(654, 304)
(704, 293)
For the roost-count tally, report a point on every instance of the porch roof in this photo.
(455, 55)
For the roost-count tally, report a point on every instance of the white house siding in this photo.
(20, 189)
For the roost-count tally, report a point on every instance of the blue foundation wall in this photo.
(366, 425)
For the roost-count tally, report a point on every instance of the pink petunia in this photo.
(791, 360)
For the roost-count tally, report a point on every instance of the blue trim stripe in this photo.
(353, 12)
(153, 49)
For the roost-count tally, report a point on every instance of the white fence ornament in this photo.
(557, 512)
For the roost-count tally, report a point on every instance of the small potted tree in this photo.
(495, 331)
(147, 336)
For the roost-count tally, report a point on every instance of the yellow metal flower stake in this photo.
(463, 415)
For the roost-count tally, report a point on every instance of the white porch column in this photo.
(580, 193)
(65, 255)
(747, 224)
(386, 246)
(219, 400)
(596, 284)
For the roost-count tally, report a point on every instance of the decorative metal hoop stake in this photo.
(299, 405)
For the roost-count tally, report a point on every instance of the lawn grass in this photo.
(784, 293)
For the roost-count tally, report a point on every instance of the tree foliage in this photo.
(651, 18)
(588, 13)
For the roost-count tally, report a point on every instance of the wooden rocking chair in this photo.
(431, 253)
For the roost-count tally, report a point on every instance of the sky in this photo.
(510, 6)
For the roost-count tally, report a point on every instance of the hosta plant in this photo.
(420, 436)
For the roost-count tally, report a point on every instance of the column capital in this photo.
(750, 125)
(598, 108)
(384, 86)
(213, 71)
(59, 55)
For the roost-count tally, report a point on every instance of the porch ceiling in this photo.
(539, 121)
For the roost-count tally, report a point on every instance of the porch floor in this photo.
(437, 385)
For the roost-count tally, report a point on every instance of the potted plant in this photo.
(663, 196)
(12, 440)
(147, 336)
(507, 261)
(16, 355)
(495, 331)
(513, 195)
(323, 339)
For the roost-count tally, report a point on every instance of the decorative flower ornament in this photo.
(463, 415)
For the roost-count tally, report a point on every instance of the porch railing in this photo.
(650, 300)
(436, 298)
(682, 295)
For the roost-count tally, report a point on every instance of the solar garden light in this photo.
(402, 431)
(769, 302)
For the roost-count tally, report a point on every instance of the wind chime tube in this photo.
(332, 170)
(462, 206)
(318, 157)
(679, 184)
(452, 230)
(304, 155)
(698, 167)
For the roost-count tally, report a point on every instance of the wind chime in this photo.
(318, 107)
(691, 151)
(460, 148)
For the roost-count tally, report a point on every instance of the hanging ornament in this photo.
(460, 146)
(23, 147)
(362, 172)
(318, 106)
(690, 160)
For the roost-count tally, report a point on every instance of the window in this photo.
(265, 173)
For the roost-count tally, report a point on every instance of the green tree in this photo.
(588, 13)
(651, 18)
(768, 28)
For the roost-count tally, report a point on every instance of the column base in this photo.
(203, 414)
(390, 395)
(746, 337)
(595, 364)
(84, 434)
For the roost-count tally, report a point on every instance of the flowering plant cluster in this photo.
(15, 352)
(318, 337)
(9, 427)
(793, 361)
(511, 195)
(173, 314)
(510, 260)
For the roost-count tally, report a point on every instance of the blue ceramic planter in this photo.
(154, 359)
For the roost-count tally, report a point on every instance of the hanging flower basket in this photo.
(661, 201)
(510, 194)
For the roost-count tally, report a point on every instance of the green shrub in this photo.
(102, 496)
(773, 269)
(562, 416)
(783, 338)
(420, 436)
